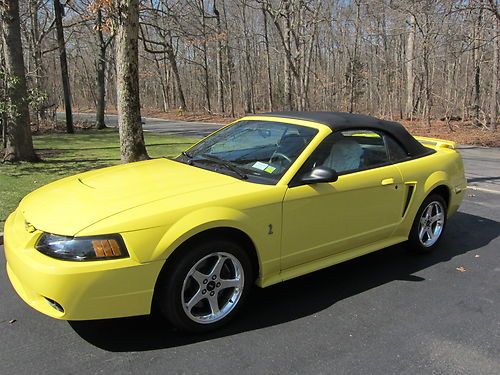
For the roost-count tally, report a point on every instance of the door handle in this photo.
(387, 181)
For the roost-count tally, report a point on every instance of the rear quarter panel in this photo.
(442, 168)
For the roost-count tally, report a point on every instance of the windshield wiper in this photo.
(188, 156)
(216, 160)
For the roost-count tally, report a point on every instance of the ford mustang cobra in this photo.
(265, 199)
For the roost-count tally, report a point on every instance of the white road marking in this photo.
(483, 189)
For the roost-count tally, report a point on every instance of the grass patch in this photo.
(67, 154)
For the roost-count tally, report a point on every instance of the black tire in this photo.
(430, 240)
(177, 285)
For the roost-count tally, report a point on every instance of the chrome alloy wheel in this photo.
(212, 287)
(431, 223)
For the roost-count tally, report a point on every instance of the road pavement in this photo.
(161, 126)
(482, 167)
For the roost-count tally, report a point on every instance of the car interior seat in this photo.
(345, 155)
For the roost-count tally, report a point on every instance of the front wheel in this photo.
(206, 286)
(429, 224)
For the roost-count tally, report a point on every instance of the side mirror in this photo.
(320, 174)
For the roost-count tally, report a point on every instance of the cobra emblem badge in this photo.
(29, 227)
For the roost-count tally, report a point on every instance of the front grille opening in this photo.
(54, 304)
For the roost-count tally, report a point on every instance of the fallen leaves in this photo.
(461, 269)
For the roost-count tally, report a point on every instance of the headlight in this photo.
(82, 248)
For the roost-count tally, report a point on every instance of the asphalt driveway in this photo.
(390, 312)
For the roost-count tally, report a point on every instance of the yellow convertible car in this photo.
(263, 200)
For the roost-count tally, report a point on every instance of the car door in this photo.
(363, 206)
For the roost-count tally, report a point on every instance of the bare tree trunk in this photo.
(427, 78)
(494, 80)
(19, 144)
(477, 68)
(175, 70)
(206, 78)
(132, 147)
(287, 68)
(465, 107)
(249, 102)
(353, 66)
(163, 77)
(100, 70)
(229, 63)
(308, 58)
(268, 63)
(36, 51)
(410, 75)
(58, 12)
(220, 75)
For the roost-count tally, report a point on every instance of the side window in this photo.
(351, 150)
(396, 151)
(373, 148)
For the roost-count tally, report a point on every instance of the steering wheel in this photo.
(281, 156)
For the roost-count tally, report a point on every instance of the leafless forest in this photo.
(423, 59)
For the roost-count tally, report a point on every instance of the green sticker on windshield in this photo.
(269, 169)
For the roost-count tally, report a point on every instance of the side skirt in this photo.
(325, 262)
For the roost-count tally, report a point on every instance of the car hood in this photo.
(69, 205)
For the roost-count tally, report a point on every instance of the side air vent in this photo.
(411, 188)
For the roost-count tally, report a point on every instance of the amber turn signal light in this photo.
(106, 248)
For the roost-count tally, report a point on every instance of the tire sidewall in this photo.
(169, 298)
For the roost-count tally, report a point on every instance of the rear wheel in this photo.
(429, 224)
(205, 288)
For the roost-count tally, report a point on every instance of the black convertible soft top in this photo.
(345, 121)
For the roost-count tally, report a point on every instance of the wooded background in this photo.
(397, 59)
(389, 58)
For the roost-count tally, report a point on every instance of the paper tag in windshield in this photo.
(260, 166)
(269, 169)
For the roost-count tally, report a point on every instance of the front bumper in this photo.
(84, 290)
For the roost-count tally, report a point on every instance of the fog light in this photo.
(54, 304)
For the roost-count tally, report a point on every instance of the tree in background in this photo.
(19, 144)
(59, 12)
(423, 60)
(132, 147)
(101, 27)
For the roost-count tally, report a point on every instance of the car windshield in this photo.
(260, 151)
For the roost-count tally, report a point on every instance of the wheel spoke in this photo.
(428, 212)
(439, 216)
(430, 235)
(422, 232)
(214, 304)
(195, 299)
(218, 266)
(199, 277)
(230, 283)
